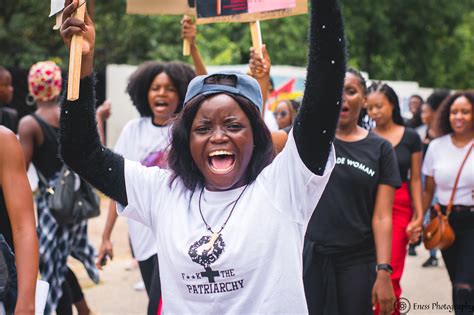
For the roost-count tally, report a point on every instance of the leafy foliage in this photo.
(431, 42)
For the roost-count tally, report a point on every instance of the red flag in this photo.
(284, 88)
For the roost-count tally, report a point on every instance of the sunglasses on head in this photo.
(283, 114)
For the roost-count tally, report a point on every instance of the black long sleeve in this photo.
(315, 124)
(81, 149)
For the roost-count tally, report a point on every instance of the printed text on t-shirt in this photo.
(355, 164)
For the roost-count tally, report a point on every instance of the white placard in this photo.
(56, 6)
(42, 289)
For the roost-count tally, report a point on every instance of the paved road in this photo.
(427, 288)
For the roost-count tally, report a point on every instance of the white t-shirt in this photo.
(143, 142)
(442, 162)
(256, 264)
(270, 120)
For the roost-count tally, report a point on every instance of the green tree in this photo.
(420, 40)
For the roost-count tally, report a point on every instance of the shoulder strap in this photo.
(48, 130)
(451, 199)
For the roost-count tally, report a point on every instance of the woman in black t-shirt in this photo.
(350, 230)
(383, 108)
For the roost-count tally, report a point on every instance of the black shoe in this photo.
(431, 262)
(411, 251)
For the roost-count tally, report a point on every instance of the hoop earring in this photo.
(30, 100)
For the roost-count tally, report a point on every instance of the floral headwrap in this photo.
(44, 81)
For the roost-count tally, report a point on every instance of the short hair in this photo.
(140, 81)
(418, 97)
(360, 78)
(442, 126)
(379, 87)
(180, 160)
(436, 98)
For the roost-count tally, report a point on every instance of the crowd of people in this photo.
(337, 193)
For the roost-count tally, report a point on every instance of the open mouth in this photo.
(221, 161)
(344, 109)
(161, 104)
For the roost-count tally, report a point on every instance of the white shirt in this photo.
(442, 162)
(256, 264)
(143, 142)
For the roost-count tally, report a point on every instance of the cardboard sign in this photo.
(160, 7)
(249, 12)
(213, 8)
(270, 5)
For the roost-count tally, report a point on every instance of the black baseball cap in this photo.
(245, 86)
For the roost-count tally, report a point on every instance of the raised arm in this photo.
(260, 70)
(189, 32)
(315, 124)
(80, 145)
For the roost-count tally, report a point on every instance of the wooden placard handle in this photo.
(256, 37)
(186, 45)
(75, 58)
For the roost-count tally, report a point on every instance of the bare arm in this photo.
(102, 114)
(189, 32)
(382, 292)
(26, 132)
(19, 202)
(415, 226)
(106, 247)
(260, 70)
(428, 192)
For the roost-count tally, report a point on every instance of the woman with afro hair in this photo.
(157, 90)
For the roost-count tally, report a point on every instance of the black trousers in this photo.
(72, 293)
(151, 277)
(459, 261)
(338, 284)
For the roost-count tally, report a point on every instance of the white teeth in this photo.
(220, 152)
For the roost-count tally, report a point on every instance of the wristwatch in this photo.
(385, 267)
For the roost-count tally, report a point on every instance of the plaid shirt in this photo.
(56, 243)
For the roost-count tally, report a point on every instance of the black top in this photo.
(342, 221)
(5, 226)
(409, 144)
(46, 156)
(313, 130)
(9, 118)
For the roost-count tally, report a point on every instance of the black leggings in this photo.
(151, 277)
(72, 293)
(459, 260)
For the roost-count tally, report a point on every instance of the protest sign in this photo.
(242, 11)
(213, 8)
(163, 7)
(160, 7)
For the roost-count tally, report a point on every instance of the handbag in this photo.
(68, 203)
(8, 276)
(439, 234)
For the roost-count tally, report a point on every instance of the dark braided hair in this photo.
(385, 89)
(361, 79)
(140, 81)
(436, 98)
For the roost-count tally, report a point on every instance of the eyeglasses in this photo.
(283, 114)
